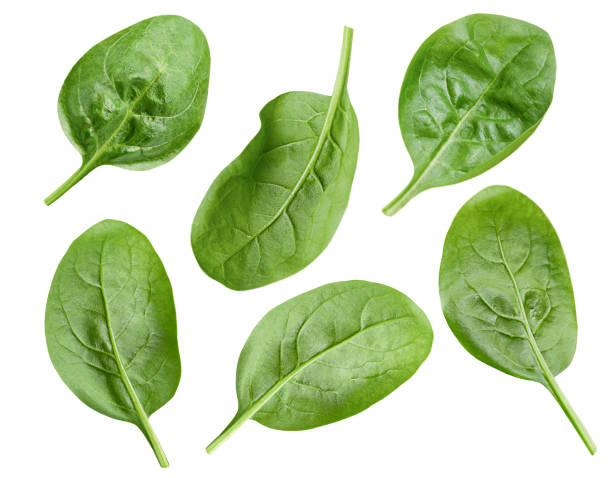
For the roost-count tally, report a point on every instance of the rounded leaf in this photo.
(504, 280)
(136, 99)
(331, 353)
(111, 324)
(473, 92)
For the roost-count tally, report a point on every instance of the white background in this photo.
(456, 416)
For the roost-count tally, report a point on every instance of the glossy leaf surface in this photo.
(474, 91)
(506, 291)
(136, 99)
(111, 326)
(328, 354)
(275, 208)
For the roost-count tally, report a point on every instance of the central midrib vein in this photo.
(339, 88)
(550, 382)
(546, 373)
(459, 125)
(128, 114)
(122, 372)
(261, 401)
(141, 414)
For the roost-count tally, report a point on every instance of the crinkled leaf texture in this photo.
(111, 325)
(275, 208)
(506, 291)
(474, 91)
(328, 354)
(136, 99)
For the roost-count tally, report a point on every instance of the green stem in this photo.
(343, 67)
(402, 198)
(143, 418)
(569, 411)
(236, 422)
(146, 428)
(71, 181)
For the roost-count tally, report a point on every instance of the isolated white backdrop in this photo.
(456, 416)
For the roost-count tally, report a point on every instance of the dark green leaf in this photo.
(506, 291)
(474, 91)
(328, 354)
(275, 208)
(136, 99)
(111, 326)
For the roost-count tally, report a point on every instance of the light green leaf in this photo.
(328, 354)
(111, 326)
(506, 291)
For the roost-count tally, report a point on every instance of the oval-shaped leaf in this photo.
(328, 354)
(136, 99)
(506, 291)
(275, 208)
(111, 326)
(474, 91)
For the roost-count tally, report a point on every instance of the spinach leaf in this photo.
(474, 91)
(111, 326)
(506, 291)
(328, 354)
(275, 208)
(136, 99)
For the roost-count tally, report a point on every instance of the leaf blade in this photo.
(506, 292)
(275, 208)
(110, 326)
(354, 341)
(136, 99)
(473, 93)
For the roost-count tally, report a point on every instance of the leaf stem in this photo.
(152, 438)
(343, 67)
(83, 171)
(402, 198)
(236, 422)
(569, 412)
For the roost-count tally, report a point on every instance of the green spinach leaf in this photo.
(474, 91)
(328, 354)
(111, 326)
(506, 291)
(275, 208)
(136, 99)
